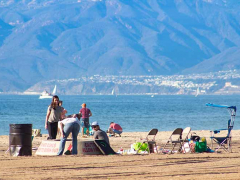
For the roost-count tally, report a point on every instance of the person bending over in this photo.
(98, 133)
(71, 125)
(115, 128)
(85, 113)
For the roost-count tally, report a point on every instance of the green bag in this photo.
(201, 146)
(144, 146)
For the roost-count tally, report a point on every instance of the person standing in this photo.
(85, 113)
(98, 133)
(71, 125)
(54, 114)
(64, 110)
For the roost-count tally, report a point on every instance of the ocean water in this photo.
(133, 113)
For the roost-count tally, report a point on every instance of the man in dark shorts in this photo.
(85, 113)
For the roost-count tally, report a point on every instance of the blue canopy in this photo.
(222, 106)
(231, 109)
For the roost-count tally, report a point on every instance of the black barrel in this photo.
(20, 139)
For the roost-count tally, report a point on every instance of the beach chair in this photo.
(223, 137)
(185, 138)
(175, 140)
(150, 141)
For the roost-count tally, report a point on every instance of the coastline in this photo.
(220, 165)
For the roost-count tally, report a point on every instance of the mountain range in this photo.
(42, 40)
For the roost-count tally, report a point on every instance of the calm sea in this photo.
(133, 113)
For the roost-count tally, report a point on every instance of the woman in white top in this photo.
(54, 114)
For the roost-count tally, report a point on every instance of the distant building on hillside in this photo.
(228, 89)
(229, 84)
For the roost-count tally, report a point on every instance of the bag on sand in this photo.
(201, 146)
(142, 146)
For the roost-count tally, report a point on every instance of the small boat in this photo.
(152, 95)
(47, 95)
(114, 93)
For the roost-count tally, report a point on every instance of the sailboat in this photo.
(197, 92)
(47, 95)
(114, 93)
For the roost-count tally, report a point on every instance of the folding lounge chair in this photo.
(174, 140)
(150, 140)
(185, 138)
(223, 141)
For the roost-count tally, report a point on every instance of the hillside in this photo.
(41, 40)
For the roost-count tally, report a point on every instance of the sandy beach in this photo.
(221, 165)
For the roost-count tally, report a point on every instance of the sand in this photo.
(221, 165)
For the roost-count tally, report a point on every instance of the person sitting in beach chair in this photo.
(115, 128)
(98, 133)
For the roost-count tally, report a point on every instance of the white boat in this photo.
(152, 95)
(47, 95)
(54, 90)
(197, 92)
(114, 93)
